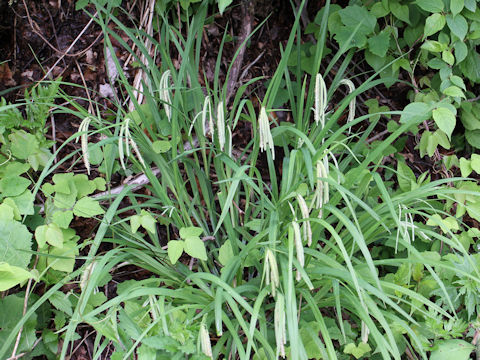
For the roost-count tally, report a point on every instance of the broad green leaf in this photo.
(10, 315)
(63, 218)
(23, 144)
(447, 224)
(379, 44)
(456, 6)
(405, 176)
(458, 81)
(445, 120)
(473, 138)
(357, 351)
(225, 253)
(195, 248)
(349, 17)
(448, 57)
(48, 189)
(461, 51)
(436, 63)
(452, 349)
(400, 11)
(7, 212)
(345, 39)
(87, 207)
(378, 10)
(471, 5)
(465, 167)
(80, 4)
(135, 222)
(222, 5)
(16, 212)
(175, 250)
(13, 185)
(191, 231)
(432, 6)
(100, 183)
(61, 302)
(458, 25)
(54, 235)
(146, 352)
(417, 272)
(95, 154)
(84, 186)
(475, 163)
(441, 139)
(69, 234)
(41, 235)
(412, 33)
(63, 183)
(431, 143)
(15, 243)
(402, 63)
(13, 169)
(470, 67)
(65, 201)
(353, 14)
(161, 146)
(308, 334)
(450, 161)
(11, 276)
(454, 91)
(63, 259)
(418, 111)
(24, 202)
(433, 24)
(39, 158)
(433, 46)
(148, 221)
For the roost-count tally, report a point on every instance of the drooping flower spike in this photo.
(84, 141)
(352, 104)
(126, 137)
(165, 93)
(320, 100)
(266, 139)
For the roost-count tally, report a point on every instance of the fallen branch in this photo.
(137, 182)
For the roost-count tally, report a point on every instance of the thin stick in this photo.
(71, 45)
(90, 105)
(247, 10)
(37, 32)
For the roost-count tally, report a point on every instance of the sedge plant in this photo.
(307, 254)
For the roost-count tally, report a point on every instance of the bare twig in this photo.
(80, 72)
(16, 357)
(37, 31)
(137, 182)
(247, 10)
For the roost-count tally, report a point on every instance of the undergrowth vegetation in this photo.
(308, 240)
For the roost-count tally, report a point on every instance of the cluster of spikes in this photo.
(320, 198)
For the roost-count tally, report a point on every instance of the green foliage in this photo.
(12, 310)
(191, 244)
(357, 351)
(447, 34)
(160, 5)
(448, 349)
